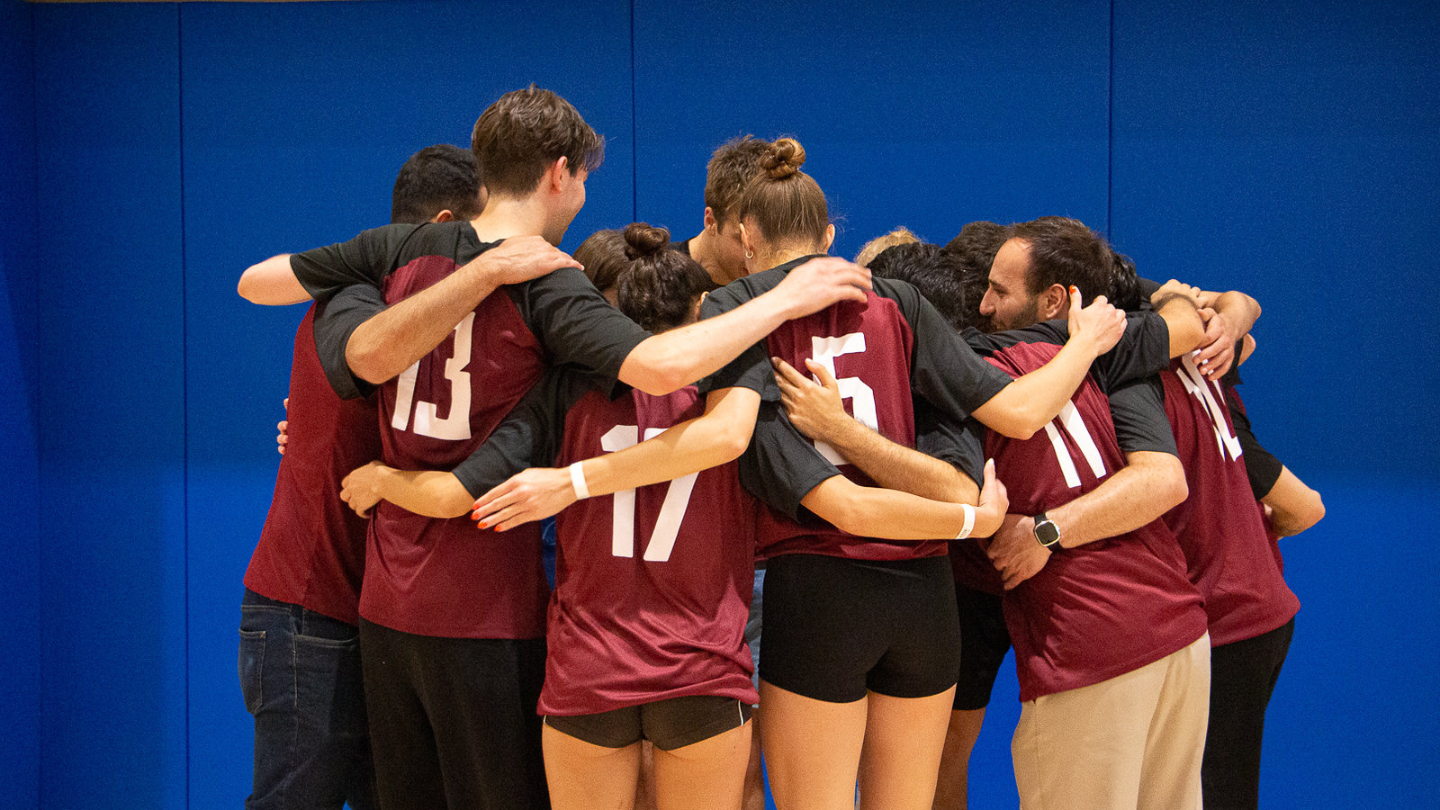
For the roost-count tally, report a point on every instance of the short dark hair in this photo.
(729, 171)
(523, 132)
(1064, 251)
(937, 276)
(602, 254)
(659, 289)
(971, 253)
(784, 202)
(434, 179)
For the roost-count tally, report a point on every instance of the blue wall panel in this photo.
(921, 114)
(19, 585)
(1289, 150)
(295, 145)
(111, 400)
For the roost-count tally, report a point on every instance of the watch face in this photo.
(1047, 533)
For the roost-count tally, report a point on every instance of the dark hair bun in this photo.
(641, 240)
(784, 158)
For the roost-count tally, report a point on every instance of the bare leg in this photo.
(754, 797)
(584, 776)
(707, 775)
(952, 790)
(903, 741)
(812, 749)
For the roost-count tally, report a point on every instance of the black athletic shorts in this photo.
(669, 724)
(984, 641)
(837, 628)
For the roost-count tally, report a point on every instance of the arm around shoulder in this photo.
(272, 283)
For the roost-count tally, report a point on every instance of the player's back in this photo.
(653, 585)
(1219, 526)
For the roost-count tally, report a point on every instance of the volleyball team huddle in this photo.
(1012, 439)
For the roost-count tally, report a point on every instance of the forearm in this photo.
(1148, 486)
(428, 493)
(895, 466)
(666, 362)
(717, 437)
(1025, 405)
(1187, 331)
(396, 338)
(1240, 311)
(272, 283)
(1294, 507)
(884, 513)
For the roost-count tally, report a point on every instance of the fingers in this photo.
(786, 373)
(822, 374)
(285, 403)
(1075, 299)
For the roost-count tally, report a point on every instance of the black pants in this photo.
(1242, 678)
(453, 722)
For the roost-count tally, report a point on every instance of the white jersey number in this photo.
(1069, 420)
(824, 350)
(456, 426)
(1210, 396)
(672, 510)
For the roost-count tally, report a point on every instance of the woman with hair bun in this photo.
(861, 633)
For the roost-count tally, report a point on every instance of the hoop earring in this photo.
(749, 255)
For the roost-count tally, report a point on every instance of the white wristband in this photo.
(969, 521)
(577, 480)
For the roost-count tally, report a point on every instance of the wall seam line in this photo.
(1110, 137)
(184, 379)
(634, 128)
(39, 415)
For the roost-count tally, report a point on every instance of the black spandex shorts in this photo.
(669, 724)
(984, 641)
(837, 628)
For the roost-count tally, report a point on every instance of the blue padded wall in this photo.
(294, 147)
(19, 586)
(1289, 149)
(920, 114)
(112, 405)
(1282, 149)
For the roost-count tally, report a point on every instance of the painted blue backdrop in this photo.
(149, 152)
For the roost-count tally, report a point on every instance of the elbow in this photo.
(656, 376)
(1023, 425)
(1168, 484)
(366, 363)
(1312, 513)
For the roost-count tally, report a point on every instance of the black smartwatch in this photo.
(1047, 533)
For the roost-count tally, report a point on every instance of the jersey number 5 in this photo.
(672, 510)
(824, 350)
(456, 426)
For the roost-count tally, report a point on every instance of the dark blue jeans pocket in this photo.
(251, 668)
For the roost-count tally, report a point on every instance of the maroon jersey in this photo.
(1220, 526)
(445, 577)
(879, 351)
(1105, 608)
(312, 550)
(652, 585)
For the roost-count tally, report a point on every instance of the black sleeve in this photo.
(529, 437)
(944, 370)
(959, 444)
(366, 259)
(1138, 408)
(781, 466)
(336, 319)
(1143, 350)
(576, 325)
(1147, 289)
(752, 368)
(1261, 465)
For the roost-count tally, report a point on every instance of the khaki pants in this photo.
(1134, 741)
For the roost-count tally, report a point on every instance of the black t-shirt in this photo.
(568, 317)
